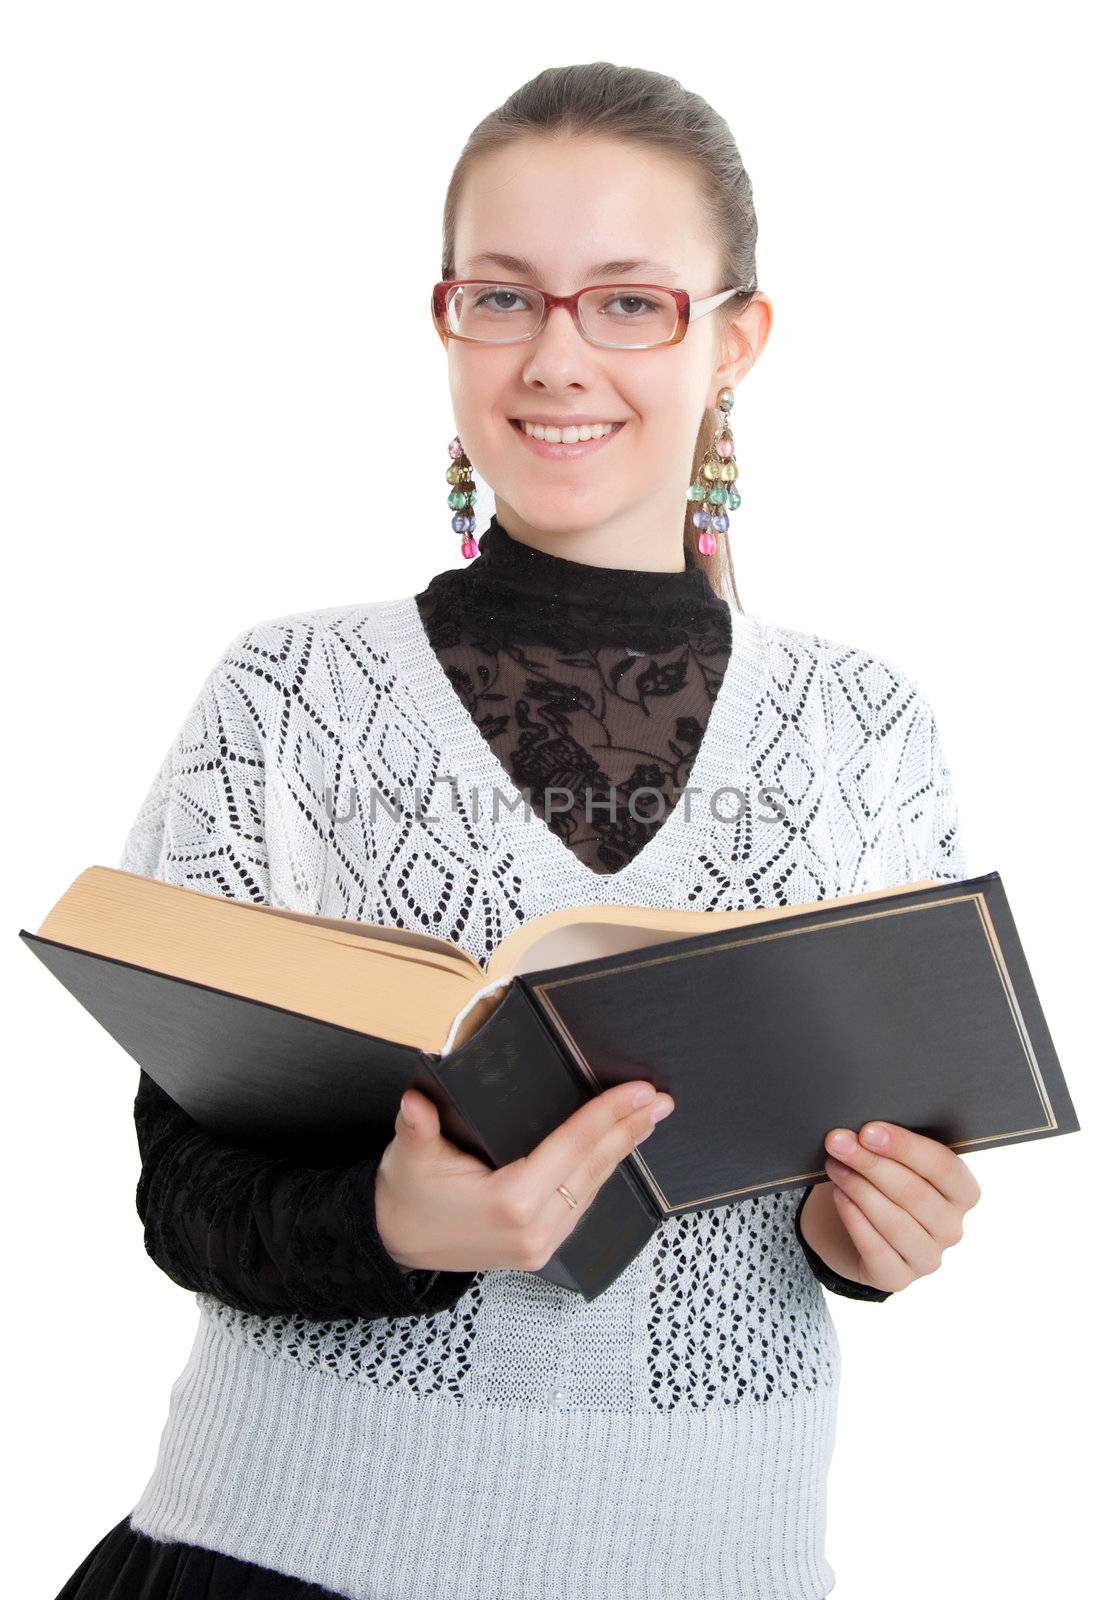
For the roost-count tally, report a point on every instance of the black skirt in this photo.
(128, 1565)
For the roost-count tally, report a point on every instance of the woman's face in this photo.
(563, 205)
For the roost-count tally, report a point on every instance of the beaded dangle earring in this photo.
(461, 498)
(715, 484)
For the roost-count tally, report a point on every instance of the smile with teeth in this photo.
(572, 435)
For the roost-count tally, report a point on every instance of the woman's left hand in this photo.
(900, 1203)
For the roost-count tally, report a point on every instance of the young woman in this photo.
(383, 1399)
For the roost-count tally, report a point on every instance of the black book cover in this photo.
(919, 1009)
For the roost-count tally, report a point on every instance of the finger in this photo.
(562, 1152)
(937, 1163)
(898, 1228)
(417, 1115)
(596, 1165)
(899, 1184)
(420, 1137)
(880, 1264)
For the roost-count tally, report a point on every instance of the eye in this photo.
(492, 299)
(638, 305)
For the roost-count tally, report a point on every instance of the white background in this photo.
(204, 425)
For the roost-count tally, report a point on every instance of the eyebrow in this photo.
(599, 270)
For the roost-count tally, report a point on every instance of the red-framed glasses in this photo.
(614, 316)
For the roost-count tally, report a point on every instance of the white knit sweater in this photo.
(672, 1436)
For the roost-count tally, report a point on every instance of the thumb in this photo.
(418, 1115)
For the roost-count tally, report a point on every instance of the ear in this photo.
(742, 341)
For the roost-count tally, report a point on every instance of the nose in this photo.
(559, 355)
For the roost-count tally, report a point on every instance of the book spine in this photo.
(1026, 1000)
(620, 1219)
(499, 1095)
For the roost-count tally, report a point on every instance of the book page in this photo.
(378, 930)
(580, 933)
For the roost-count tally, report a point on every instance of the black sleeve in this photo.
(265, 1235)
(823, 1272)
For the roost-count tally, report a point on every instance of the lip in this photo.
(564, 452)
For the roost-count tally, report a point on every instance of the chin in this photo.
(561, 512)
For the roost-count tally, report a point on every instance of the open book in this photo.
(413, 988)
(298, 1034)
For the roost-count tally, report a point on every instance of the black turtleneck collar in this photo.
(514, 593)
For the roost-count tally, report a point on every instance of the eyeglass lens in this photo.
(623, 316)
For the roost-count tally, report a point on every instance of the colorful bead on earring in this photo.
(715, 484)
(461, 498)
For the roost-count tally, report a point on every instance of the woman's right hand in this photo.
(440, 1209)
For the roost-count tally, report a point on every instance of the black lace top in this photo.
(593, 686)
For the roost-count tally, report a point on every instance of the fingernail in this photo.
(876, 1136)
(663, 1107)
(843, 1143)
(641, 1098)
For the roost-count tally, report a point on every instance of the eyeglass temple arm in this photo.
(698, 308)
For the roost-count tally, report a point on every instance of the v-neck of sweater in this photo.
(468, 757)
